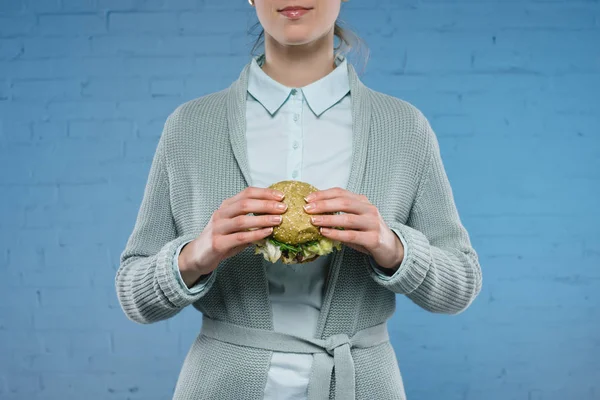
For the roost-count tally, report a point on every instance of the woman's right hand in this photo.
(230, 231)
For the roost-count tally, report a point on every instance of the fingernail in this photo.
(308, 207)
(280, 195)
(282, 206)
(315, 220)
(276, 218)
(309, 197)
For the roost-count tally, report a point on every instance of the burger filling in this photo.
(272, 249)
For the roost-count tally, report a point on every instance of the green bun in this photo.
(295, 240)
(295, 227)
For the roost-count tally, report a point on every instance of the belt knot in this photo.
(335, 341)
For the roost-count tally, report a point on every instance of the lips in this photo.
(293, 8)
(294, 12)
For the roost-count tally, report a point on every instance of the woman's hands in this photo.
(364, 228)
(230, 230)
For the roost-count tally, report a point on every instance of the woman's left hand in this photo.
(364, 228)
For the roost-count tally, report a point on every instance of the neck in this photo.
(299, 65)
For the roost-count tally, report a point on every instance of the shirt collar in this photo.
(320, 95)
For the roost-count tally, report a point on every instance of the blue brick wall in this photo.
(511, 88)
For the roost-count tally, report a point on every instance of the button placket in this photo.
(295, 137)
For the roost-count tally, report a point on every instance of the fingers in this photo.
(368, 240)
(251, 205)
(346, 221)
(335, 192)
(232, 230)
(245, 222)
(348, 204)
(241, 239)
(253, 192)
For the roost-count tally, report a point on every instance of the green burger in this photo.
(296, 240)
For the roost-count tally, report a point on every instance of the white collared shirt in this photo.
(297, 134)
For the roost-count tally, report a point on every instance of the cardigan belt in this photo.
(328, 353)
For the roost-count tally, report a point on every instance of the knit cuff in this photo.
(381, 272)
(198, 286)
(176, 293)
(414, 266)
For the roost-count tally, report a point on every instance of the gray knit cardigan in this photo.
(201, 159)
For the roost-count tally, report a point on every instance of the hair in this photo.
(349, 42)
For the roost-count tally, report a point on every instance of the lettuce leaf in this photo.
(272, 249)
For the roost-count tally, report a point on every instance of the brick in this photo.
(26, 298)
(115, 89)
(103, 109)
(121, 364)
(9, 159)
(23, 196)
(78, 5)
(16, 25)
(10, 6)
(4, 252)
(185, 5)
(74, 166)
(54, 47)
(102, 129)
(10, 48)
(536, 50)
(116, 5)
(46, 89)
(61, 276)
(82, 384)
(70, 257)
(72, 24)
(83, 295)
(78, 318)
(166, 87)
(219, 22)
(4, 95)
(36, 6)
(23, 383)
(150, 128)
(16, 317)
(140, 149)
(486, 16)
(63, 68)
(76, 194)
(163, 45)
(142, 110)
(33, 258)
(151, 5)
(140, 22)
(131, 342)
(160, 66)
(49, 131)
(16, 130)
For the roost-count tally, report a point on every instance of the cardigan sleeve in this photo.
(440, 271)
(200, 284)
(147, 289)
(379, 270)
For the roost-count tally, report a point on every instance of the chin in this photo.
(295, 36)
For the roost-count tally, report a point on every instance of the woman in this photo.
(316, 330)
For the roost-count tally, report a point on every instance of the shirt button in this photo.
(294, 174)
(296, 116)
(295, 145)
(294, 91)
